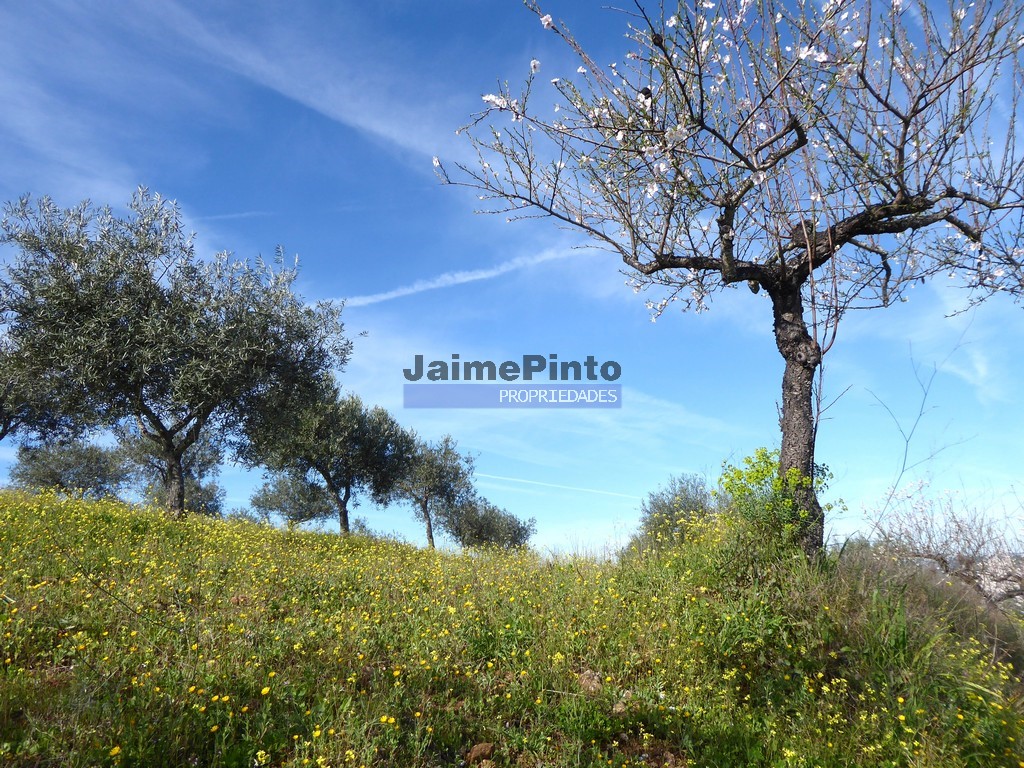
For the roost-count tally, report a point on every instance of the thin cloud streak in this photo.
(450, 279)
(235, 216)
(556, 485)
(335, 82)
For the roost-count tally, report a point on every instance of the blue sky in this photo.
(312, 125)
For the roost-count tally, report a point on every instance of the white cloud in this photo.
(346, 79)
(234, 216)
(49, 147)
(450, 279)
(79, 91)
(558, 486)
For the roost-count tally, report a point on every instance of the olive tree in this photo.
(294, 496)
(74, 466)
(826, 155)
(200, 465)
(336, 442)
(27, 408)
(479, 523)
(438, 483)
(13, 406)
(129, 328)
(666, 512)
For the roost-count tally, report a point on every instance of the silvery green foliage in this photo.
(200, 466)
(439, 481)
(439, 486)
(127, 325)
(479, 523)
(666, 512)
(74, 466)
(335, 443)
(293, 496)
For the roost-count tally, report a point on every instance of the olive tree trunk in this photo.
(174, 484)
(425, 513)
(341, 500)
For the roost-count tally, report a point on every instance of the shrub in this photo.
(665, 513)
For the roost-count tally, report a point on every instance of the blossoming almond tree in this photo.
(830, 155)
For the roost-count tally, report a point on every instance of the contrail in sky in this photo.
(554, 485)
(449, 279)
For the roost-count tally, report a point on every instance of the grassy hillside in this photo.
(132, 639)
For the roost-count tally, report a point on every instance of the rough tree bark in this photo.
(174, 484)
(341, 500)
(425, 511)
(172, 443)
(802, 355)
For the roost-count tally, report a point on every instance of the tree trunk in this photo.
(174, 484)
(425, 511)
(803, 356)
(341, 502)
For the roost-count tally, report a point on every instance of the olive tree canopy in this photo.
(73, 466)
(334, 443)
(479, 523)
(127, 326)
(438, 483)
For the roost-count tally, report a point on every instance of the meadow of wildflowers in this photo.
(130, 638)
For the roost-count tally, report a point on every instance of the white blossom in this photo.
(499, 102)
(809, 51)
(675, 135)
(437, 161)
(504, 103)
(534, 65)
(546, 21)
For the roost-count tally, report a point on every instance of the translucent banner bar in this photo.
(449, 395)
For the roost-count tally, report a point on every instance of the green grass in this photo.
(132, 639)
